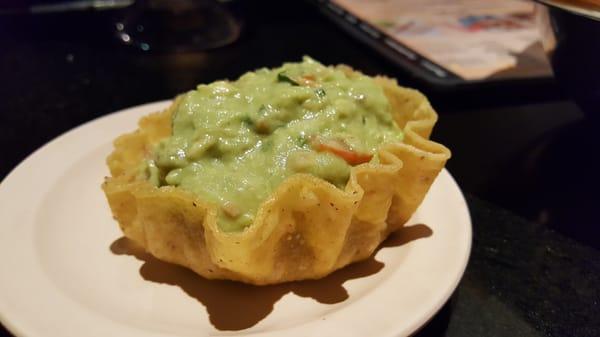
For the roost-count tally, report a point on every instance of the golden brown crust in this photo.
(305, 230)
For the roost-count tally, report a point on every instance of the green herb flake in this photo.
(301, 140)
(247, 120)
(320, 92)
(262, 111)
(282, 77)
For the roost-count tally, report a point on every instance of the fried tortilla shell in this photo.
(306, 229)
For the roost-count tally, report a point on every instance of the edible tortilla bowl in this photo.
(306, 229)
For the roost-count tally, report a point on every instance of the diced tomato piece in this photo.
(309, 80)
(341, 150)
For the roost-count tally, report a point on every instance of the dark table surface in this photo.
(522, 152)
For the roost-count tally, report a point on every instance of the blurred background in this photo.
(516, 83)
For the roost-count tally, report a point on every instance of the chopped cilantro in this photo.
(247, 120)
(282, 77)
(320, 92)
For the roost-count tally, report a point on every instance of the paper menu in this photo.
(473, 39)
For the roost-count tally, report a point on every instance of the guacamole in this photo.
(233, 143)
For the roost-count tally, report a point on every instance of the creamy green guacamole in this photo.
(233, 143)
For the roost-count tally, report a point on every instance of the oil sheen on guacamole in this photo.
(233, 143)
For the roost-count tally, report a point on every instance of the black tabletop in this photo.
(522, 152)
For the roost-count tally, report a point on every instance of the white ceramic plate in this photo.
(59, 276)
